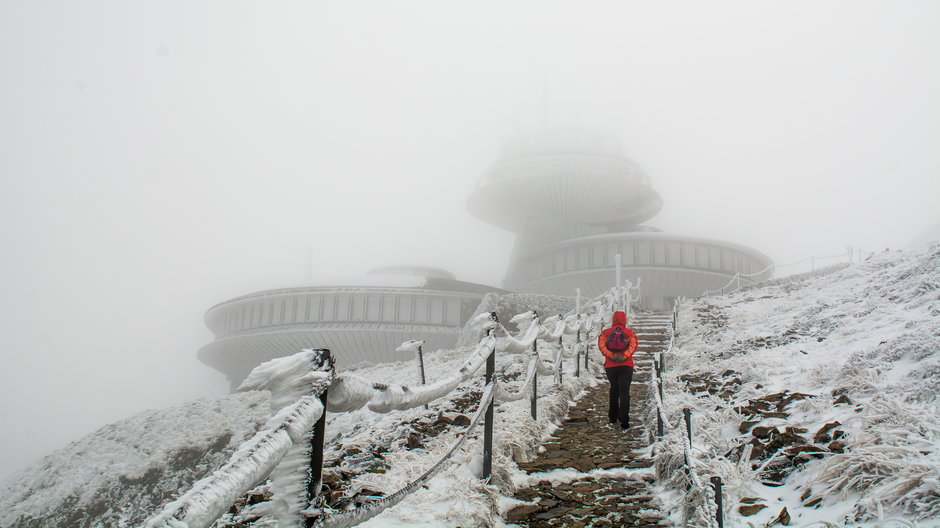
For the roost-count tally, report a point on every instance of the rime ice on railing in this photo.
(296, 384)
(281, 448)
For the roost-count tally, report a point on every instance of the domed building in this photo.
(575, 201)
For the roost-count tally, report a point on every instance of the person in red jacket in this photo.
(617, 344)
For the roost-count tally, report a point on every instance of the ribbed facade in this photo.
(360, 324)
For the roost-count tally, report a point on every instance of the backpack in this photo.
(617, 340)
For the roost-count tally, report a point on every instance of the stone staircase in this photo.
(586, 442)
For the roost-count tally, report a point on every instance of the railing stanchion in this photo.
(659, 412)
(561, 361)
(587, 348)
(577, 356)
(315, 483)
(421, 370)
(662, 361)
(719, 516)
(488, 417)
(533, 399)
(688, 424)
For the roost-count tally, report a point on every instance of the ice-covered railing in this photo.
(851, 255)
(698, 496)
(289, 447)
(297, 384)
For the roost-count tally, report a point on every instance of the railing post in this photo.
(325, 361)
(659, 412)
(421, 370)
(577, 356)
(488, 417)
(561, 360)
(719, 516)
(685, 452)
(587, 348)
(533, 399)
(688, 424)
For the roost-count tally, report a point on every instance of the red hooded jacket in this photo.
(619, 319)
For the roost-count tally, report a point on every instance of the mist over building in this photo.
(574, 200)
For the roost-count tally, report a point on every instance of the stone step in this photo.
(583, 442)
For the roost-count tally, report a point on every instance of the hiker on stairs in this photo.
(617, 344)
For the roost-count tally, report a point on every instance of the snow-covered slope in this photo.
(817, 393)
(120, 474)
(126, 472)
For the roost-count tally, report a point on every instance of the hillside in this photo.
(120, 474)
(816, 394)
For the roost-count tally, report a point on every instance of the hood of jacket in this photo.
(620, 319)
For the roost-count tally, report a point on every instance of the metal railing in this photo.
(300, 424)
(695, 491)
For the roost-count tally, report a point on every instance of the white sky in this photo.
(157, 158)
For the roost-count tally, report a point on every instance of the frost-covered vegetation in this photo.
(816, 394)
(125, 471)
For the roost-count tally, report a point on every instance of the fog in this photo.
(158, 158)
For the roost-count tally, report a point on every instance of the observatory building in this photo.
(575, 201)
(359, 323)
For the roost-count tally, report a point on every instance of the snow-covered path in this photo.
(590, 473)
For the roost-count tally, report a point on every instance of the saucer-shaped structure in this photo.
(575, 202)
(358, 323)
(567, 175)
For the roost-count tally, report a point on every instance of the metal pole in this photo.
(587, 348)
(325, 361)
(533, 400)
(561, 362)
(659, 412)
(617, 281)
(488, 417)
(628, 296)
(716, 481)
(659, 422)
(577, 356)
(688, 424)
(421, 370)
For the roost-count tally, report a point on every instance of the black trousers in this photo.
(620, 379)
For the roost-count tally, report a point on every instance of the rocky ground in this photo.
(587, 442)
